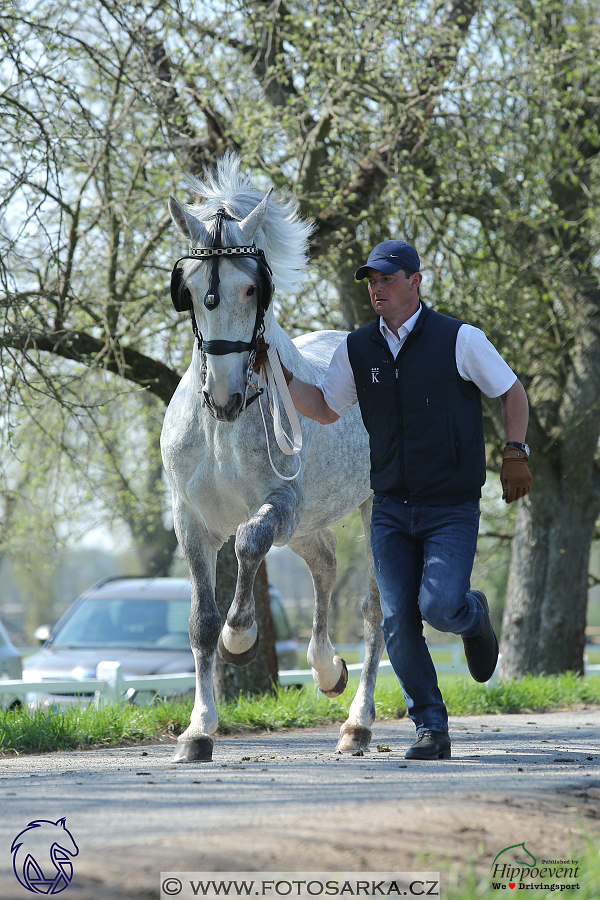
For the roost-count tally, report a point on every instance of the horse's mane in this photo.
(286, 233)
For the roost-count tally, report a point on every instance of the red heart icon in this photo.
(512, 884)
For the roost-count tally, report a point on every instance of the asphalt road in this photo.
(287, 802)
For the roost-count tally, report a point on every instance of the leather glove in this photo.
(515, 476)
(262, 356)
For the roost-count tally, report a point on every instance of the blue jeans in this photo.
(423, 561)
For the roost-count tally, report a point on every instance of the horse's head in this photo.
(228, 295)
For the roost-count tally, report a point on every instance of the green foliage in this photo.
(345, 611)
(38, 731)
(83, 275)
(510, 196)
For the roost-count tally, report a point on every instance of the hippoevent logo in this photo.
(42, 856)
(515, 868)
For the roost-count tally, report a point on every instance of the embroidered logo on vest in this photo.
(374, 374)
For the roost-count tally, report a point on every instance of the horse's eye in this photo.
(251, 291)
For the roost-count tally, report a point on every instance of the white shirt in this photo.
(477, 360)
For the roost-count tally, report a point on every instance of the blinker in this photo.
(180, 294)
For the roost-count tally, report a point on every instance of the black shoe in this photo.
(482, 651)
(430, 745)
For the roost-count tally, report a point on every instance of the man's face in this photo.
(393, 294)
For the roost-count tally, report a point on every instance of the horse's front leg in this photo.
(355, 733)
(275, 521)
(196, 743)
(318, 551)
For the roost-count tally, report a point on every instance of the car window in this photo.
(127, 623)
(178, 616)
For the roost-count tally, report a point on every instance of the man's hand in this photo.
(515, 476)
(262, 356)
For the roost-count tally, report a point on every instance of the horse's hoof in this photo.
(199, 750)
(353, 738)
(238, 659)
(341, 685)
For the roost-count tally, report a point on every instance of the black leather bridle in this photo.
(182, 298)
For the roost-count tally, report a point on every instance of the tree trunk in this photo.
(155, 548)
(261, 675)
(543, 628)
(354, 295)
(155, 544)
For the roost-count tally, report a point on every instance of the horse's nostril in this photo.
(227, 413)
(235, 404)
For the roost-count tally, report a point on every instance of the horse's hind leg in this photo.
(355, 733)
(318, 551)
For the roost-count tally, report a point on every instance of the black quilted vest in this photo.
(425, 422)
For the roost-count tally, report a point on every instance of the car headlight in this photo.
(81, 674)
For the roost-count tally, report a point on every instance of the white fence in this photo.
(111, 685)
(457, 665)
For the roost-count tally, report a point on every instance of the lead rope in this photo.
(272, 374)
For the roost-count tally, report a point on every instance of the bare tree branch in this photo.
(121, 360)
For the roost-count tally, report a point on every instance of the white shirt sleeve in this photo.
(338, 386)
(477, 360)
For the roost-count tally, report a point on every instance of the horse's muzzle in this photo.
(227, 413)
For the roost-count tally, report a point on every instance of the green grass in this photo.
(38, 731)
(534, 692)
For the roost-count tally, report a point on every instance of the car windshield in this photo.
(125, 623)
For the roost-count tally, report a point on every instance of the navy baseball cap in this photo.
(389, 257)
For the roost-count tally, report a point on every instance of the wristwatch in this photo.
(524, 448)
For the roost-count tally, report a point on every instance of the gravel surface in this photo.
(286, 801)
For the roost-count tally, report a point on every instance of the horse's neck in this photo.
(276, 332)
(288, 351)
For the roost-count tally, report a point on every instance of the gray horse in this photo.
(214, 446)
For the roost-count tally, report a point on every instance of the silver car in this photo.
(10, 668)
(141, 623)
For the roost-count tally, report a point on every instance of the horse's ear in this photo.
(250, 225)
(189, 226)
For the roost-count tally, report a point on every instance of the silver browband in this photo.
(224, 251)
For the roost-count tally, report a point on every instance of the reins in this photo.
(275, 382)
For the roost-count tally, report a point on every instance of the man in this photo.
(418, 377)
